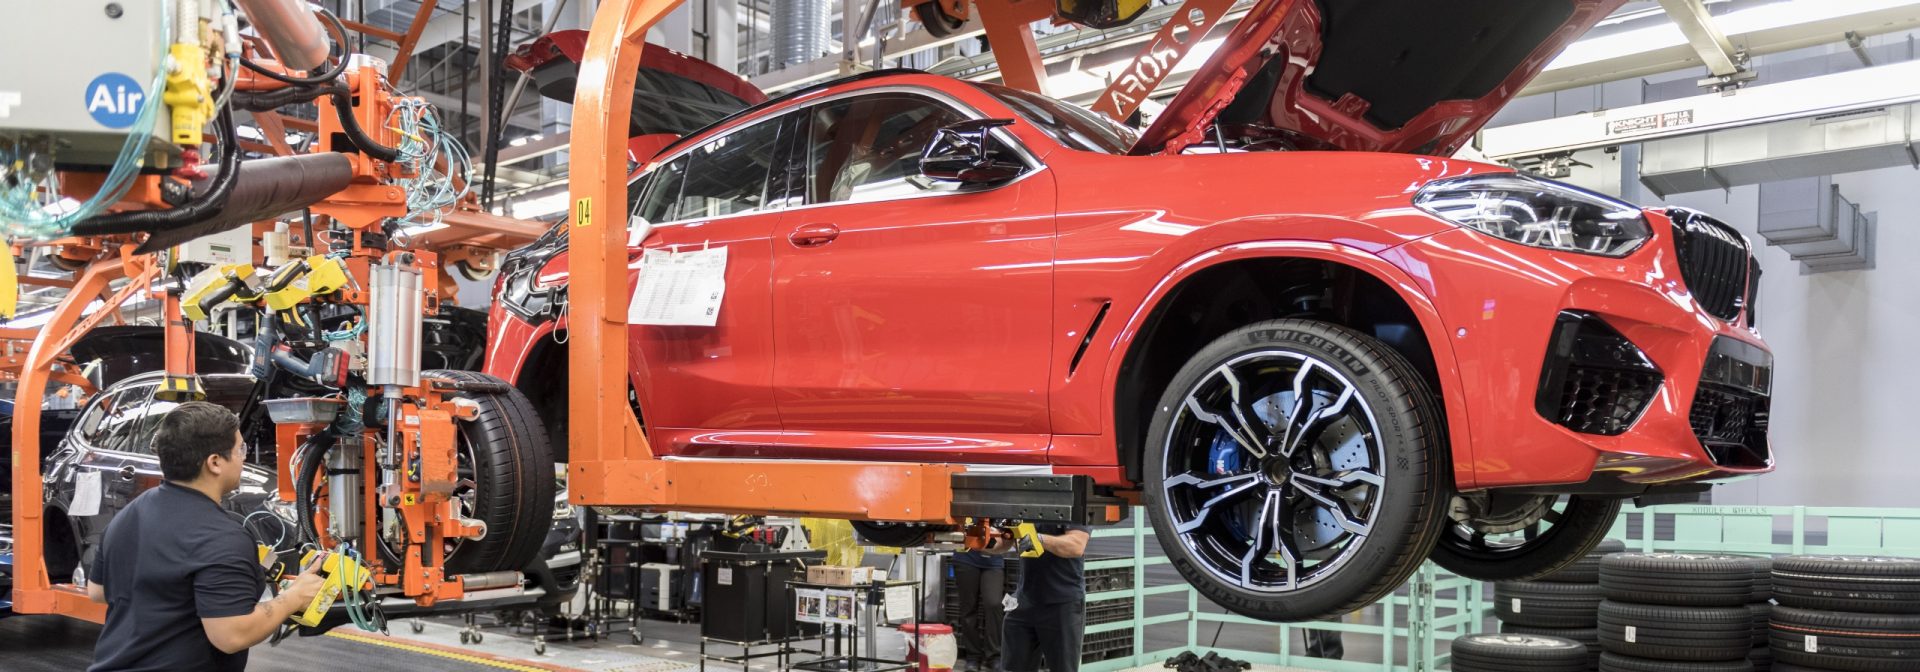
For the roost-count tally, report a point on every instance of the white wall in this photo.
(1846, 344)
(1846, 405)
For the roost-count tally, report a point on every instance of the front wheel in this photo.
(1504, 537)
(1295, 470)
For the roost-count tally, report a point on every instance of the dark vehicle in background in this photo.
(114, 439)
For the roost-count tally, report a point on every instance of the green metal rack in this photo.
(1435, 606)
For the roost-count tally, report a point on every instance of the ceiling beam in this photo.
(1708, 42)
(1634, 50)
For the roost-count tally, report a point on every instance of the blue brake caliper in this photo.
(1223, 457)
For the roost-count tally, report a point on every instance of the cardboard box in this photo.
(843, 576)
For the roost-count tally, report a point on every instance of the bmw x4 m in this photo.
(1316, 350)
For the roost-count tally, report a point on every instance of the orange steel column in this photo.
(597, 363)
(32, 592)
(1009, 26)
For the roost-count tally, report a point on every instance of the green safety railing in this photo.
(1436, 606)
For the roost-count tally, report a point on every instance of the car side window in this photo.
(93, 424)
(128, 426)
(724, 176)
(867, 148)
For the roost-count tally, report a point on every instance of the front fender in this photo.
(1376, 263)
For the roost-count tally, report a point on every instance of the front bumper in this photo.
(1580, 369)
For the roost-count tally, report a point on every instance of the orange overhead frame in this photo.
(613, 465)
(1009, 26)
(33, 593)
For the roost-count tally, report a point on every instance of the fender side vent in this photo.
(1087, 338)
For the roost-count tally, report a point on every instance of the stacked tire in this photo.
(1851, 614)
(1511, 652)
(1682, 612)
(1564, 604)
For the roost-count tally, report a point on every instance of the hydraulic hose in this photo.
(339, 33)
(206, 207)
(343, 105)
(341, 96)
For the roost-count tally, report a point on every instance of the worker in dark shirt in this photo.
(182, 581)
(981, 581)
(1048, 617)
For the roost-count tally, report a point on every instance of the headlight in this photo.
(1538, 212)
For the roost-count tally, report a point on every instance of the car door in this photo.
(113, 440)
(910, 317)
(691, 380)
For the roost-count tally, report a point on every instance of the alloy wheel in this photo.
(1274, 471)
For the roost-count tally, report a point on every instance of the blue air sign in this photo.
(114, 100)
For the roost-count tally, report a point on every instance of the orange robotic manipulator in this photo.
(404, 501)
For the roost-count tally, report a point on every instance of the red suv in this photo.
(1319, 350)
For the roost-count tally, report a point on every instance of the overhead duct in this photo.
(1840, 142)
(802, 30)
(1809, 220)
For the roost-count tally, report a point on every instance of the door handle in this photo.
(814, 235)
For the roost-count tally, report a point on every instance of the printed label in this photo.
(725, 576)
(114, 99)
(1633, 634)
(1516, 605)
(1813, 644)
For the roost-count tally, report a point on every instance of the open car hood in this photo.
(674, 93)
(1411, 76)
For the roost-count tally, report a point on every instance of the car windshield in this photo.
(1070, 125)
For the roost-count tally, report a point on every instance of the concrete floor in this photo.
(33, 643)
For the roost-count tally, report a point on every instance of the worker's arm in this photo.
(1073, 544)
(239, 632)
(96, 592)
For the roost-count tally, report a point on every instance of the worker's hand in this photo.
(305, 586)
(998, 545)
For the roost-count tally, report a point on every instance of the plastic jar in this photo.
(932, 646)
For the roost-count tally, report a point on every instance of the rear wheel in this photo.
(1502, 537)
(1294, 470)
(506, 480)
(937, 23)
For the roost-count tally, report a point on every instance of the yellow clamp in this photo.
(212, 281)
(338, 573)
(1026, 540)
(324, 275)
(180, 389)
(189, 93)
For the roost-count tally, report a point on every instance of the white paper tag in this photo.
(1633, 634)
(86, 494)
(1516, 605)
(1813, 644)
(899, 603)
(1008, 603)
(679, 288)
(724, 576)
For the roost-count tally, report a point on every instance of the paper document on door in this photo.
(86, 495)
(679, 288)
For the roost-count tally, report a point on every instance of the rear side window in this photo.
(725, 176)
(868, 148)
(127, 421)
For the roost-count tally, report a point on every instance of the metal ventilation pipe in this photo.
(293, 30)
(801, 30)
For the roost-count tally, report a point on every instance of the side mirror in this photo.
(962, 153)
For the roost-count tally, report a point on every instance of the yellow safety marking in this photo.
(437, 653)
(583, 213)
